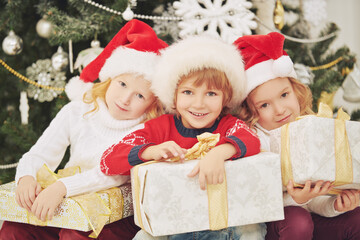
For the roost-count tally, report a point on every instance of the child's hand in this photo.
(302, 195)
(346, 201)
(26, 192)
(210, 169)
(164, 151)
(48, 200)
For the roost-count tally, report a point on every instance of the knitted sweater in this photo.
(322, 205)
(88, 136)
(120, 158)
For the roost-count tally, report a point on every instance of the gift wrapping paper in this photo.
(167, 202)
(312, 151)
(70, 213)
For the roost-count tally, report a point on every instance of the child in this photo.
(275, 98)
(197, 79)
(113, 108)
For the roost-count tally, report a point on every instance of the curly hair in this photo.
(248, 113)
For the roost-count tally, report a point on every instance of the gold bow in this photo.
(217, 193)
(95, 209)
(343, 160)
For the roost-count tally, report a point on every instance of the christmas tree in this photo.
(42, 39)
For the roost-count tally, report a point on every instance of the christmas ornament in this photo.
(279, 15)
(314, 11)
(112, 11)
(304, 74)
(227, 19)
(60, 60)
(167, 27)
(12, 44)
(24, 108)
(88, 55)
(44, 28)
(43, 73)
(348, 95)
(128, 14)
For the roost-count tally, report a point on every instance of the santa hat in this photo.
(196, 53)
(264, 58)
(134, 49)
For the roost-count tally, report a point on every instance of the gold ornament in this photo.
(345, 71)
(279, 15)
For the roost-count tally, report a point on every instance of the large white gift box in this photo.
(317, 148)
(167, 202)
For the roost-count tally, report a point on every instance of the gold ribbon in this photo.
(217, 193)
(96, 211)
(343, 159)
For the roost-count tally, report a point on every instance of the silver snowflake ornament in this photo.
(44, 74)
(229, 19)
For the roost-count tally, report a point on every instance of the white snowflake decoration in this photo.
(44, 74)
(314, 11)
(229, 19)
(167, 27)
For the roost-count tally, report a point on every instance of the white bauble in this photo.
(12, 44)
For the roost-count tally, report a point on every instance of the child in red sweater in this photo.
(198, 79)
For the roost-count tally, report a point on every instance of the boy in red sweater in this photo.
(198, 80)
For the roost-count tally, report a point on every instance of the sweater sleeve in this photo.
(324, 206)
(50, 147)
(121, 157)
(243, 138)
(91, 181)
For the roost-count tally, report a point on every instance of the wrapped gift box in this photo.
(166, 201)
(312, 152)
(69, 214)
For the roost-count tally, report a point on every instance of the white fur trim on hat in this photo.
(267, 70)
(76, 88)
(196, 53)
(127, 60)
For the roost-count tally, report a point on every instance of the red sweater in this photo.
(121, 157)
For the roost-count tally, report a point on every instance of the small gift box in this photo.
(166, 201)
(319, 148)
(83, 212)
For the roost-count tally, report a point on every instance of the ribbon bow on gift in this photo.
(343, 160)
(217, 193)
(96, 211)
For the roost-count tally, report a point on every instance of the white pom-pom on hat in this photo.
(76, 88)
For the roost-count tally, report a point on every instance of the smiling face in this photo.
(198, 105)
(275, 102)
(128, 96)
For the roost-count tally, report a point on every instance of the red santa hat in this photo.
(134, 49)
(264, 58)
(196, 53)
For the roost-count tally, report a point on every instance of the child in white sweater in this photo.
(116, 106)
(276, 98)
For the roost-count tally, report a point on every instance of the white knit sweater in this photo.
(88, 136)
(322, 205)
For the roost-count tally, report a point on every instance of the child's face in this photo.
(275, 102)
(128, 96)
(198, 106)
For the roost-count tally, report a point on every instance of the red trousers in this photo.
(299, 224)
(124, 229)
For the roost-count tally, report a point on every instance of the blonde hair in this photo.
(98, 91)
(249, 114)
(214, 79)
